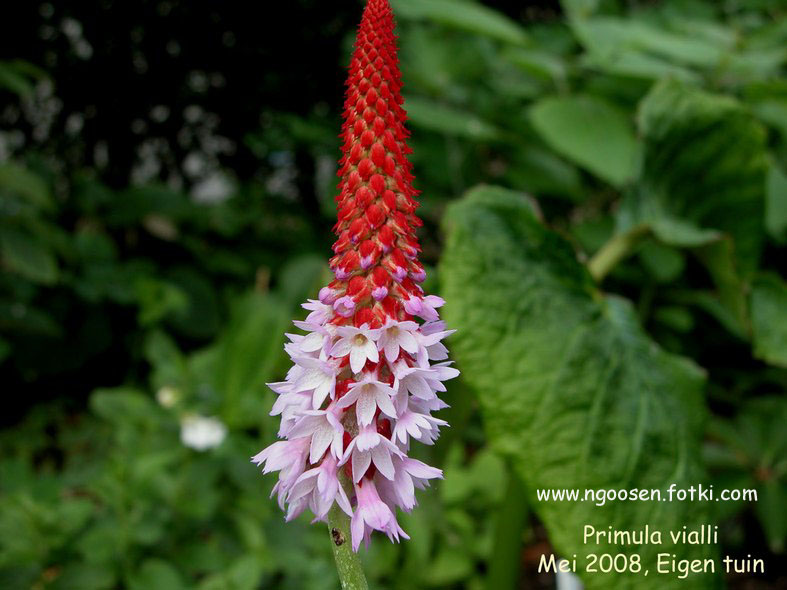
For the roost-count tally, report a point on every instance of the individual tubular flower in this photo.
(364, 382)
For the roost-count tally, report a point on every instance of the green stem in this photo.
(505, 563)
(615, 250)
(348, 563)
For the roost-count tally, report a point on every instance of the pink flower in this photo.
(368, 395)
(421, 427)
(371, 447)
(318, 488)
(320, 313)
(317, 376)
(396, 335)
(288, 457)
(324, 430)
(424, 307)
(372, 514)
(359, 343)
(344, 306)
(414, 380)
(410, 474)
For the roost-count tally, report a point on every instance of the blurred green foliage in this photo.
(644, 141)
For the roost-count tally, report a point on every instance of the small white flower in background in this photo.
(568, 581)
(202, 432)
(167, 396)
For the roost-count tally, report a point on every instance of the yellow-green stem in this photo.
(615, 250)
(348, 563)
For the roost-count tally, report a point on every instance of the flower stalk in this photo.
(348, 562)
(618, 248)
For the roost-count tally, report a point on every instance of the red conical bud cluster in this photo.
(375, 254)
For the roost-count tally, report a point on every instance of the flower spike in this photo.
(363, 383)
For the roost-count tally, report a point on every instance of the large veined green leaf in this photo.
(590, 132)
(465, 15)
(703, 171)
(571, 388)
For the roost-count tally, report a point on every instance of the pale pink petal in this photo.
(360, 463)
(383, 401)
(357, 359)
(365, 408)
(382, 460)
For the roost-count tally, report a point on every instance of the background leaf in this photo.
(776, 206)
(715, 142)
(463, 14)
(590, 132)
(438, 117)
(25, 183)
(769, 319)
(26, 255)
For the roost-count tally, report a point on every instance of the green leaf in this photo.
(245, 573)
(464, 15)
(776, 204)
(539, 171)
(666, 264)
(579, 9)
(199, 317)
(11, 78)
(590, 132)
(637, 65)
(751, 448)
(82, 576)
(21, 181)
(156, 574)
(449, 566)
(301, 279)
(571, 388)
(703, 171)
(247, 355)
(539, 63)
(122, 404)
(710, 303)
(135, 203)
(158, 299)
(769, 319)
(731, 285)
(772, 111)
(771, 513)
(19, 317)
(608, 38)
(28, 256)
(676, 318)
(434, 116)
